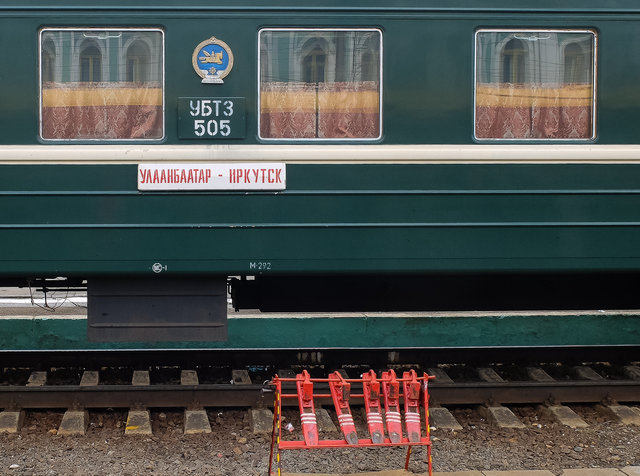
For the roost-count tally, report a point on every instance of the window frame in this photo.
(321, 139)
(42, 30)
(594, 85)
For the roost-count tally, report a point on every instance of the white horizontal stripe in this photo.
(316, 153)
(52, 301)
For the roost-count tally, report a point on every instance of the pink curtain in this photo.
(349, 110)
(326, 110)
(510, 111)
(288, 110)
(106, 110)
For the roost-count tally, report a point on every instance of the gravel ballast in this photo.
(232, 449)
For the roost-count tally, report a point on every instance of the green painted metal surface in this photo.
(356, 332)
(428, 60)
(88, 220)
(335, 5)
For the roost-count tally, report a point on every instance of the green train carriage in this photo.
(422, 158)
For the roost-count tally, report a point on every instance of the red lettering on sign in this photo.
(252, 177)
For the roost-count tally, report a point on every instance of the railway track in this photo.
(247, 387)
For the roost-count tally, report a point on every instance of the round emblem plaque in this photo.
(212, 60)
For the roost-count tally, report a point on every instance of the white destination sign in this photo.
(240, 176)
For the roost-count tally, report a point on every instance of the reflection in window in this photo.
(513, 62)
(534, 84)
(320, 84)
(48, 61)
(137, 62)
(101, 84)
(313, 65)
(369, 66)
(577, 65)
(90, 64)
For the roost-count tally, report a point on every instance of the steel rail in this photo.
(130, 396)
(574, 391)
(256, 395)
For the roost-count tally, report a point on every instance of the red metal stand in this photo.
(414, 394)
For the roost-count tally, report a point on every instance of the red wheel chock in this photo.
(414, 394)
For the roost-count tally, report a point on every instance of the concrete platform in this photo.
(458, 473)
(400, 472)
(593, 472)
(522, 472)
(628, 471)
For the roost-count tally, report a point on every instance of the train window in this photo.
(101, 84)
(320, 84)
(535, 84)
